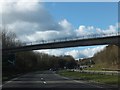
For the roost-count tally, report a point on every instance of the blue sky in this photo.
(54, 20)
(99, 14)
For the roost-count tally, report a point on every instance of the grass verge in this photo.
(105, 79)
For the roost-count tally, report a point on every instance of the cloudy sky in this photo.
(35, 21)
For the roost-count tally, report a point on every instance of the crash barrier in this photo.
(96, 72)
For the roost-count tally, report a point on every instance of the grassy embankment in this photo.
(107, 58)
(105, 79)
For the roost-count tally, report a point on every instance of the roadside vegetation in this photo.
(104, 79)
(106, 59)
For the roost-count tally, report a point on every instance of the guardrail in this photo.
(108, 69)
(97, 72)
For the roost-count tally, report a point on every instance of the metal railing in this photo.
(96, 72)
(89, 36)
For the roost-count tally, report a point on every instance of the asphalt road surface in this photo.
(47, 80)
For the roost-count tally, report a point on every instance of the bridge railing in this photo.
(89, 36)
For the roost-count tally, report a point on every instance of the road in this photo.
(46, 80)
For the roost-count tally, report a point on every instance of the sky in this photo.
(35, 21)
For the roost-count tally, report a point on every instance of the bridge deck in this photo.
(114, 40)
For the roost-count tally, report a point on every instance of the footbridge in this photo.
(88, 40)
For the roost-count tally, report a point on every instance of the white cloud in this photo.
(85, 53)
(84, 30)
(76, 52)
(66, 31)
(89, 30)
(31, 21)
(27, 5)
(111, 29)
(9, 6)
(43, 35)
(48, 35)
(65, 24)
(32, 12)
(22, 28)
(56, 52)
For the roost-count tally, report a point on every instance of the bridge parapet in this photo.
(89, 36)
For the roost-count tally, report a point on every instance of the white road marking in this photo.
(10, 81)
(41, 78)
(45, 82)
(0, 85)
(61, 76)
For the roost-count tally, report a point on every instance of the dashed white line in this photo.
(45, 82)
(41, 78)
